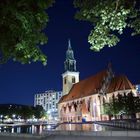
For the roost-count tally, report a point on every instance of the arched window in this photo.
(65, 80)
(73, 79)
(103, 100)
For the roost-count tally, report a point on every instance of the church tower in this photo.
(70, 76)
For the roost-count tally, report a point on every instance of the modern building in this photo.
(49, 101)
(83, 100)
(138, 89)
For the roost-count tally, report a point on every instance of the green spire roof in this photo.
(69, 44)
(70, 62)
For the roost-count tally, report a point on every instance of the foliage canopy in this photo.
(123, 105)
(22, 111)
(21, 25)
(109, 19)
(23, 21)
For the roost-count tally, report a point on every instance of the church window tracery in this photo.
(73, 79)
(65, 80)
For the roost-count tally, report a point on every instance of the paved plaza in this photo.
(60, 137)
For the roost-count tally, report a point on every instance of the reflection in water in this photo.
(38, 129)
(31, 129)
(85, 127)
(12, 130)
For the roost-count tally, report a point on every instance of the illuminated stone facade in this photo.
(83, 101)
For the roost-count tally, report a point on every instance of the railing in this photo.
(109, 133)
(133, 124)
(60, 134)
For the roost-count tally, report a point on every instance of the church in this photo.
(83, 100)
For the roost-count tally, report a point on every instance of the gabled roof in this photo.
(62, 99)
(85, 87)
(93, 84)
(119, 83)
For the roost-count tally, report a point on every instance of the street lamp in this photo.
(1, 116)
(13, 116)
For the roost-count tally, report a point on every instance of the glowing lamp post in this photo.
(13, 116)
(1, 116)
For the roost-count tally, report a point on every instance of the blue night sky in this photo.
(19, 83)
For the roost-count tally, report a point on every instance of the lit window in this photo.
(56, 96)
(57, 105)
(50, 106)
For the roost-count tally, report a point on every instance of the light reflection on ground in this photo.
(85, 127)
(38, 129)
(28, 129)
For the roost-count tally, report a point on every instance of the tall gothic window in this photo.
(65, 80)
(73, 79)
(103, 100)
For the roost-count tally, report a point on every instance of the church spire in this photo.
(69, 44)
(70, 62)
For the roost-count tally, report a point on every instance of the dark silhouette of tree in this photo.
(127, 105)
(132, 105)
(39, 111)
(24, 111)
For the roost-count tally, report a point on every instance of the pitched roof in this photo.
(85, 87)
(92, 84)
(119, 83)
(62, 99)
